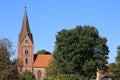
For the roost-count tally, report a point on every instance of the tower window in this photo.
(26, 42)
(26, 51)
(26, 60)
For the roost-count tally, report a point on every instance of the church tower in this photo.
(25, 47)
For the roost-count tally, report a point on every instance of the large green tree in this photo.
(81, 51)
(8, 68)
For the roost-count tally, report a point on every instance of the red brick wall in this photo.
(43, 72)
(22, 56)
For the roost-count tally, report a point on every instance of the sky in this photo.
(47, 17)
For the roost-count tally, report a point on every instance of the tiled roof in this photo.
(42, 60)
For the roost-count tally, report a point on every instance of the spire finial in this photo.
(25, 6)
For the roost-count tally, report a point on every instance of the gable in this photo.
(27, 41)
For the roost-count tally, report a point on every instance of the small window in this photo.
(26, 51)
(26, 41)
(39, 74)
(26, 60)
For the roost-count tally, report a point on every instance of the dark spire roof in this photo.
(25, 28)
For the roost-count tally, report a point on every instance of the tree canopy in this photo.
(43, 51)
(80, 50)
(114, 71)
(114, 68)
(118, 55)
(8, 68)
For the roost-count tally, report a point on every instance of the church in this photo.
(28, 61)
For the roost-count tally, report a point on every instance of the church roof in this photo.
(25, 29)
(42, 60)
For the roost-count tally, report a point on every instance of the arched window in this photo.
(39, 74)
(26, 51)
(26, 60)
(26, 42)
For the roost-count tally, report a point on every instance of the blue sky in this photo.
(47, 17)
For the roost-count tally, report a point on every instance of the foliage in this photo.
(8, 69)
(27, 75)
(114, 68)
(67, 77)
(14, 75)
(43, 52)
(54, 73)
(52, 69)
(114, 71)
(118, 55)
(80, 51)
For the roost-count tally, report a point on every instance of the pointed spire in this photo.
(25, 25)
(25, 28)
